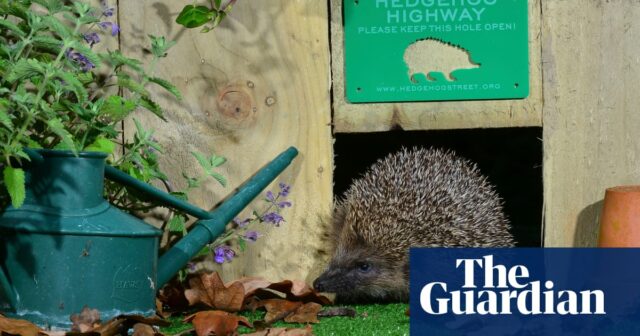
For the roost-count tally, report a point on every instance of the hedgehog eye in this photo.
(363, 267)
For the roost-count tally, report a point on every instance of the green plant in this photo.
(193, 16)
(55, 90)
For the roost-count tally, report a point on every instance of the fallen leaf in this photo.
(294, 290)
(307, 313)
(111, 328)
(171, 299)
(141, 329)
(308, 331)
(18, 327)
(290, 311)
(218, 322)
(338, 311)
(87, 320)
(209, 289)
(278, 309)
(251, 284)
(120, 325)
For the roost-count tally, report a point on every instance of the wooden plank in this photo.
(591, 120)
(256, 85)
(435, 115)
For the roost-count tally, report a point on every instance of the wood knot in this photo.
(234, 102)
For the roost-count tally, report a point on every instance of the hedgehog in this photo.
(413, 198)
(432, 55)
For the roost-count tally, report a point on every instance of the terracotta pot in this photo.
(620, 219)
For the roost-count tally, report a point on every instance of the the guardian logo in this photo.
(506, 291)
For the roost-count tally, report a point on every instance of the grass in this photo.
(371, 320)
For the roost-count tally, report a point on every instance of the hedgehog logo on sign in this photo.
(430, 55)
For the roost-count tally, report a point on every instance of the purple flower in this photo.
(106, 10)
(251, 236)
(241, 222)
(191, 266)
(223, 253)
(79, 59)
(91, 38)
(273, 218)
(284, 189)
(284, 204)
(270, 196)
(114, 27)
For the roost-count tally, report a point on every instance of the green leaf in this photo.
(85, 77)
(23, 69)
(116, 59)
(218, 177)
(58, 129)
(167, 86)
(125, 81)
(177, 224)
(152, 106)
(5, 119)
(53, 6)
(194, 16)
(202, 160)
(47, 43)
(180, 195)
(14, 182)
(82, 48)
(74, 85)
(56, 26)
(242, 244)
(191, 182)
(217, 3)
(101, 144)
(160, 46)
(141, 133)
(12, 27)
(117, 108)
(217, 160)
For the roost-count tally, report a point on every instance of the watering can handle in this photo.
(156, 194)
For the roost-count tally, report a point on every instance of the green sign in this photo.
(425, 50)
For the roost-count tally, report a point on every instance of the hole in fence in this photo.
(511, 158)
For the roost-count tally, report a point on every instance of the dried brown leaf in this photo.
(141, 329)
(307, 313)
(119, 325)
(111, 328)
(87, 320)
(278, 309)
(251, 284)
(294, 290)
(209, 290)
(18, 327)
(171, 299)
(307, 331)
(218, 322)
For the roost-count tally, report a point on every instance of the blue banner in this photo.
(524, 291)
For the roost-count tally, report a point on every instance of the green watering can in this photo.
(67, 247)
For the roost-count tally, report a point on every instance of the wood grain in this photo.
(256, 85)
(591, 120)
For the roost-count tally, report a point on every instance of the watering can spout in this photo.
(209, 227)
